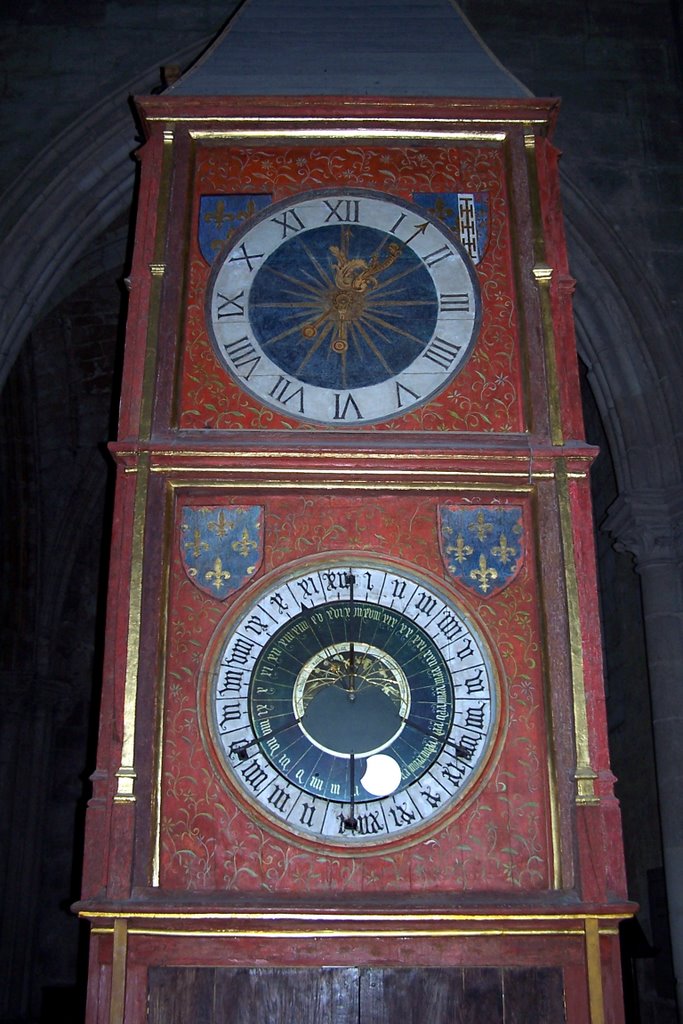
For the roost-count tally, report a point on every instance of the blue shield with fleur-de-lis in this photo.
(465, 213)
(221, 216)
(221, 546)
(482, 546)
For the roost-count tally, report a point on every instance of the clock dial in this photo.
(353, 703)
(344, 307)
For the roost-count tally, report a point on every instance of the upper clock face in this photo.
(344, 307)
(354, 703)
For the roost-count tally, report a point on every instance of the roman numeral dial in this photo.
(360, 305)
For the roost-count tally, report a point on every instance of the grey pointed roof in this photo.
(415, 48)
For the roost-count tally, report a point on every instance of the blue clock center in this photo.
(341, 307)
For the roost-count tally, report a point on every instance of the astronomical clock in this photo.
(352, 761)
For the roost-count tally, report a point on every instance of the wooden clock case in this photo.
(524, 874)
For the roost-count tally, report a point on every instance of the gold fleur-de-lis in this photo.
(460, 550)
(196, 545)
(244, 545)
(248, 211)
(221, 526)
(481, 527)
(218, 575)
(503, 551)
(440, 210)
(484, 574)
(219, 215)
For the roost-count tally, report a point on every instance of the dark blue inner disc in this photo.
(341, 307)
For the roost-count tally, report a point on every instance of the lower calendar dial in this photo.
(353, 703)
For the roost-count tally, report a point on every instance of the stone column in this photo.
(649, 525)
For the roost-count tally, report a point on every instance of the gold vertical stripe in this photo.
(126, 773)
(542, 275)
(157, 269)
(117, 1002)
(520, 305)
(169, 539)
(553, 795)
(585, 775)
(596, 1000)
(557, 879)
(150, 375)
(187, 228)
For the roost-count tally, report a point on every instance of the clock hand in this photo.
(338, 314)
(367, 277)
(352, 278)
(460, 751)
(239, 748)
(358, 274)
(420, 229)
(351, 821)
(352, 651)
(340, 343)
(311, 329)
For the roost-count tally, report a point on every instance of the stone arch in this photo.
(624, 340)
(73, 190)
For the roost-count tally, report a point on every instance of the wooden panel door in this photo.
(207, 995)
(471, 995)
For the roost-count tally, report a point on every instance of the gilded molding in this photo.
(125, 785)
(233, 122)
(542, 274)
(349, 482)
(441, 111)
(553, 804)
(149, 371)
(155, 864)
(364, 134)
(379, 917)
(117, 1003)
(126, 774)
(594, 967)
(346, 933)
(585, 775)
(338, 925)
(157, 269)
(517, 269)
(558, 880)
(321, 119)
(355, 456)
(525, 458)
